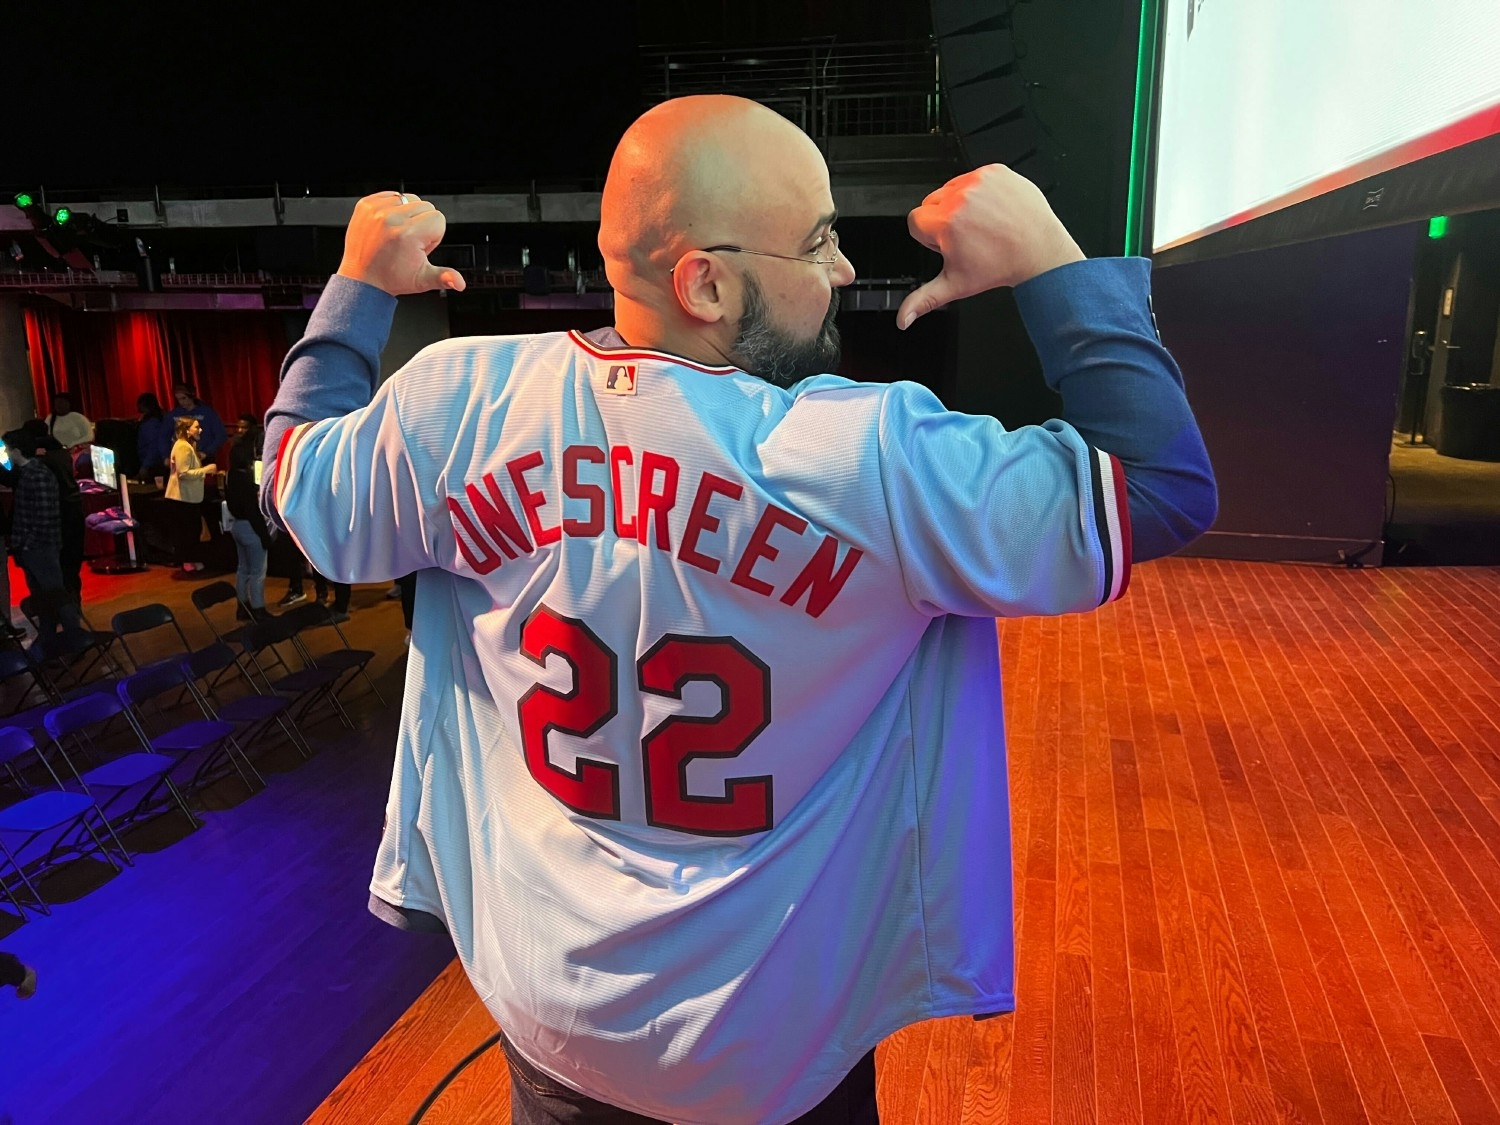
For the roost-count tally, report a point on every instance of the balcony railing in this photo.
(827, 88)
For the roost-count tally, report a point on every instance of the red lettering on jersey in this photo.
(574, 490)
(488, 558)
(760, 547)
(819, 580)
(620, 455)
(654, 501)
(699, 520)
(746, 805)
(590, 787)
(531, 502)
(497, 519)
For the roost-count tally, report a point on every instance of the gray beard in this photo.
(765, 351)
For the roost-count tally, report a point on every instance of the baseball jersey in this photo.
(701, 759)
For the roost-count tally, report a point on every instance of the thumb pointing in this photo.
(434, 278)
(925, 299)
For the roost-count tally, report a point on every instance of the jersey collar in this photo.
(605, 343)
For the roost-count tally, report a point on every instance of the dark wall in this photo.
(1079, 60)
(1477, 302)
(1293, 358)
(726, 22)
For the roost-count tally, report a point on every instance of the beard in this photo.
(778, 357)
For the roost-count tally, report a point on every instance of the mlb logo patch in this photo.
(620, 380)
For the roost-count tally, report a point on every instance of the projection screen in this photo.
(1266, 103)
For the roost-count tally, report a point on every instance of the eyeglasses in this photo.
(833, 240)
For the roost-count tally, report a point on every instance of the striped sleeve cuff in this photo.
(1111, 522)
(278, 487)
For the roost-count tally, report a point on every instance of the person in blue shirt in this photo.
(153, 437)
(189, 405)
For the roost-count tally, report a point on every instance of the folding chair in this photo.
(35, 698)
(210, 739)
(304, 687)
(146, 772)
(18, 667)
(214, 594)
(71, 655)
(253, 714)
(63, 815)
(347, 661)
(147, 619)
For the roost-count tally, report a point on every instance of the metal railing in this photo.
(557, 281)
(69, 279)
(827, 88)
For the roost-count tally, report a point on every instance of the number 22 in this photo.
(593, 787)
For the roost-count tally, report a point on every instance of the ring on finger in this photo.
(401, 198)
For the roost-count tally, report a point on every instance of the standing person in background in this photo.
(339, 606)
(71, 429)
(251, 539)
(407, 586)
(185, 485)
(36, 536)
(153, 438)
(8, 479)
(289, 564)
(189, 405)
(70, 508)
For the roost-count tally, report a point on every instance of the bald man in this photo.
(701, 762)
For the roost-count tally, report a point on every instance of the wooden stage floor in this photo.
(1257, 861)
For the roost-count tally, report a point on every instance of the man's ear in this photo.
(703, 287)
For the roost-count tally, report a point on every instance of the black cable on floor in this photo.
(437, 1091)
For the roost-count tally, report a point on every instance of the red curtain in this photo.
(106, 360)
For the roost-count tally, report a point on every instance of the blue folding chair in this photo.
(252, 714)
(145, 773)
(210, 740)
(70, 657)
(147, 619)
(305, 687)
(56, 814)
(346, 660)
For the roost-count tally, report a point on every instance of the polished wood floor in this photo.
(1257, 859)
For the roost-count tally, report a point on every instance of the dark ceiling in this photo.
(324, 95)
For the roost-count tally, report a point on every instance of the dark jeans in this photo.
(187, 525)
(408, 584)
(5, 585)
(12, 972)
(45, 580)
(70, 557)
(341, 592)
(538, 1099)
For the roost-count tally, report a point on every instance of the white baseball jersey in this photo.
(702, 760)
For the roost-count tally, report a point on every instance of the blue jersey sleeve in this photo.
(337, 473)
(1094, 331)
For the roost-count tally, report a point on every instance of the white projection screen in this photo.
(1266, 103)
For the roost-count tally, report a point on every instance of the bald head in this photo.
(704, 171)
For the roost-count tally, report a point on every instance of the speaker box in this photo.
(984, 89)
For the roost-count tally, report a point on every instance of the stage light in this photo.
(62, 216)
(1437, 227)
(24, 200)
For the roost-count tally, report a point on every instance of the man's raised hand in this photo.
(993, 227)
(387, 243)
